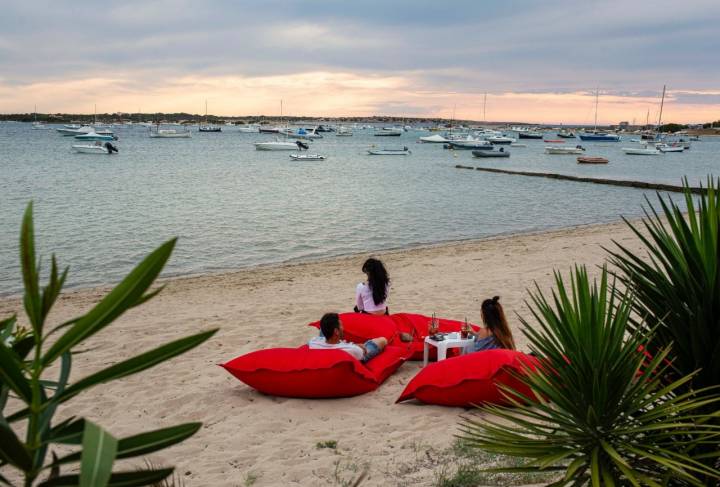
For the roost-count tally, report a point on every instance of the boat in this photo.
(388, 132)
(595, 135)
(390, 152)
(278, 144)
(85, 129)
(670, 148)
(553, 141)
(301, 133)
(249, 129)
(96, 148)
(529, 135)
(343, 132)
(515, 144)
(565, 135)
(95, 136)
(321, 128)
(592, 160)
(564, 150)
(491, 153)
(469, 144)
(433, 139)
(269, 130)
(307, 157)
(208, 127)
(159, 133)
(598, 136)
(500, 140)
(641, 151)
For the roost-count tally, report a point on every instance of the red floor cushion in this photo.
(470, 379)
(361, 327)
(302, 372)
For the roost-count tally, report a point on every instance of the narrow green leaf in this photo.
(117, 479)
(119, 300)
(32, 300)
(12, 375)
(98, 456)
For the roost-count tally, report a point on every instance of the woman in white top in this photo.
(370, 296)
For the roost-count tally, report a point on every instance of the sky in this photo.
(533, 61)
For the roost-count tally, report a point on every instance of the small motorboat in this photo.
(469, 145)
(553, 141)
(307, 157)
(592, 160)
(388, 132)
(95, 136)
(96, 148)
(344, 132)
(169, 134)
(281, 145)
(491, 153)
(670, 148)
(641, 151)
(500, 140)
(566, 135)
(578, 149)
(249, 129)
(210, 128)
(530, 135)
(433, 139)
(390, 152)
(86, 129)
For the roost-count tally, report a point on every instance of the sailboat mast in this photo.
(597, 94)
(484, 106)
(662, 102)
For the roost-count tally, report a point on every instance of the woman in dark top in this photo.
(496, 333)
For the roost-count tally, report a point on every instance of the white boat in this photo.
(97, 148)
(641, 151)
(86, 129)
(249, 129)
(517, 144)
(433, 139)
(389, 132)
(307, 157)
(277, 145)
(390, 152)
(564, 150)
(169, 134)
(500, 140)
(344, 132)
(469, 144)
(670, 148)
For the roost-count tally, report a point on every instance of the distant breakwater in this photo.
(610, 182)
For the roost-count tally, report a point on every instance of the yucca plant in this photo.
(26, 358)
(601, 413)
(676, 282)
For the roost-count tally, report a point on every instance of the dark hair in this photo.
(328, 324)
(494, 318)
(378, 279)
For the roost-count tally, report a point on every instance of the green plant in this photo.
(326, 444)
(26, 361)
(677, 286)
(601, 412)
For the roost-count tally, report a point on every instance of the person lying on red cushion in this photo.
(332, 338)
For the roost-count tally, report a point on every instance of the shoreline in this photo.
(300, 261)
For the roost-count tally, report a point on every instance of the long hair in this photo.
(494, 318)
(378, 279)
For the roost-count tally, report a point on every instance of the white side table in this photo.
(452, 340)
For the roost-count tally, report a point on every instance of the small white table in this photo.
(452, 340)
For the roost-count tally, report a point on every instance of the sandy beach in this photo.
(252, 439)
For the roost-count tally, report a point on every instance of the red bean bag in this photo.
(470, 379)
(361, 327)
(302, 372)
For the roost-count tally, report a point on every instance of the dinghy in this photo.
(564, 150)
(390, 152)
(307, 157)
(592, 160)
(491, 153)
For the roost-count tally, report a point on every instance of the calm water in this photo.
(233, 206)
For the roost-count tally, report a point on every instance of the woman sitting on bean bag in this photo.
(496, 333)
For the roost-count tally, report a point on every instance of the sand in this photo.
(251, 439)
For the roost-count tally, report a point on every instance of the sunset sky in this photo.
(538, 61)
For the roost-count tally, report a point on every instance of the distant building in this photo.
(624, 125)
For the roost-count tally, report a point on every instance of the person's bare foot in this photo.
(406, 337)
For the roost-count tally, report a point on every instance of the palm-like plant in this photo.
(600, 412)
(677, 284)
(26, 356)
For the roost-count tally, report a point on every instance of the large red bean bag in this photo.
(470, 379)
(302, 372)
(361, 327)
